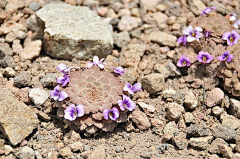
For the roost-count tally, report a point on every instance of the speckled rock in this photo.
(38, 96)
(121, 39)
(27, 153)
(163, 38)
(16, 119)
(235, 107)
(128, 23)
(200, 142)
(140, 119)
(174, 111)
(225, 132)
(23, 79)
(49, 80)
(214, 97)
(153, 82)
(74, 32)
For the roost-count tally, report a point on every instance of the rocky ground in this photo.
(170, 120)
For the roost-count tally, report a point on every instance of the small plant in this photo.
(207, 56)
(92, 98)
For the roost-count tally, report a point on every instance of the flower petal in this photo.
(128, 88)
(190, 38)
(60, 80)
(61, 67)
(69, 113)
(95, 59)
(63, 95)
(80, 110)
(101, 65)
(90, 64)
(54, 94)
(230, 57)
(121, 105)
(136, 87)
(188, 30)
(115, 112)
(131, 105)
(226, 35)
(106, 113)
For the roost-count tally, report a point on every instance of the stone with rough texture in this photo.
(146, 107)
(74, 32)
(163, 38)
(174, 111)
(32, 48)
(49, 80)
(5, 49)
(27, 153)
(235, 108)
(198, 130)
(196, 6)
(190, 100)
(153, 82)
(140, 119)
(170, 129)
(121, 39)
(214, 147)
(128, 23)
(225, 132)
(16, 119)
(131, 55)
(230, 121)
(38, 96)
(149, 5)
(200, 142)
(214, 97)
(65, 152)
(23, 79)
(98, 152)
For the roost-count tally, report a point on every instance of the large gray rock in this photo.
(17, 120)
(74, 32)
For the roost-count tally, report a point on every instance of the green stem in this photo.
(203, 92)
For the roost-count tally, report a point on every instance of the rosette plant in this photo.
(94, 97)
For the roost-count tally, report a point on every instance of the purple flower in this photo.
(96, 62)
(193, 34)
(56, 94)
(231, 37)
(236, 24)
(119, 70)
(207, 33)
(232, 17)
(113, 114)
(207, 10)
(182, 39)
(226, 57)
(183, 61)
(126, 103)
(63, 80)
(204, 57)
(72, 112)
(63, 68)
(132, 89)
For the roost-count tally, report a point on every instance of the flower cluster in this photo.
(233, 20)
(205, 58)
(72, 112)
(190, 35)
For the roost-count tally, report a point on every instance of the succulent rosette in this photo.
(93, 99)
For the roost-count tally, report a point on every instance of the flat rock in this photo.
(140, 119)
(38, 96)
(226, 132)
(214, 97)
(17, 120)
(214, 147)
(74, 32)
(153, 82)
(235, 108)
(198, 130)
(200, 142)
(174, 111)
(163, 38)
(128, 23)
(146, 107)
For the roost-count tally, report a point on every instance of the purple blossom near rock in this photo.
(193, 34)
(96, 62)
(119, 70)
(63, 68)
(63, 80)
(112, 114)
(236, 24)
(182, 39)
(226, 57)
(72, 112)
(207, 10)
(231, 37)
(56, 94)
(207, 34)
(204, 57)
(132, 88)
(126, 103)
(233, 17)
(183, 61)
